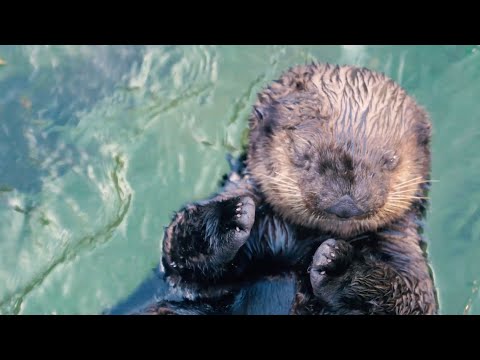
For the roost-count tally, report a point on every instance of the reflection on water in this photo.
(100, 144)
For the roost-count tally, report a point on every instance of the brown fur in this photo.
(353, 121)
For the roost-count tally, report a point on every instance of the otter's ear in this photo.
(268, 121)
(263, 122)
(258, 113)
(422, 125)
(424, 131)
(257, 116)
(423, 128)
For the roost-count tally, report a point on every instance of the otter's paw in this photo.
(227, 227)
(237, 218)
(331, 259)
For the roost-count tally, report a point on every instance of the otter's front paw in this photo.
(205, 236)
(237, 215)
(236, 218)
(331, 260)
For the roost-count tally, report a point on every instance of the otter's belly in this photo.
(269, 296)
(276, 247)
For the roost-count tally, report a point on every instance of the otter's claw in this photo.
(236, 220)
(241, 219)
(331, 259)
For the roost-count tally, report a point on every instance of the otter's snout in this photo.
(344, 208)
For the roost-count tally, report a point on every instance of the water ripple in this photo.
(11, 304)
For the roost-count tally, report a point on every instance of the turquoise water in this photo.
(100, 144)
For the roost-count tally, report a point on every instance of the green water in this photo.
(100, 144)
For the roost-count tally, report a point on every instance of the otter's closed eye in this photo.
(302, 160)
(390, 161)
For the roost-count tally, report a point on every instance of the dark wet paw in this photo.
(237, 216)
(331, 259)
(235, 220)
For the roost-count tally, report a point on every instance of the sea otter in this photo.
(328, 202)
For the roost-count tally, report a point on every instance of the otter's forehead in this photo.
(361, 102)
(354, 103)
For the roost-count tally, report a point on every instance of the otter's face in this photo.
(335, 184)
(340, 178)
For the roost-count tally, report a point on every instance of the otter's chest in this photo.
(276, 246)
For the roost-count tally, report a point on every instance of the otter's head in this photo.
(339, 148)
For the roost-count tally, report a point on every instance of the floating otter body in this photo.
(328, 202)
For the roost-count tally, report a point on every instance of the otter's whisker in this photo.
(394, 200)
(292, 191)
(405, 204)
(286, 177)
(419, 178)
(281, 185)
(282, 188)
(410, 180)
(399, 206)
(404, 191)
(282, 180)
(412, 184)
(409, 197)
(286, 185)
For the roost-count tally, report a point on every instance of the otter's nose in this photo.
(345, 208)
